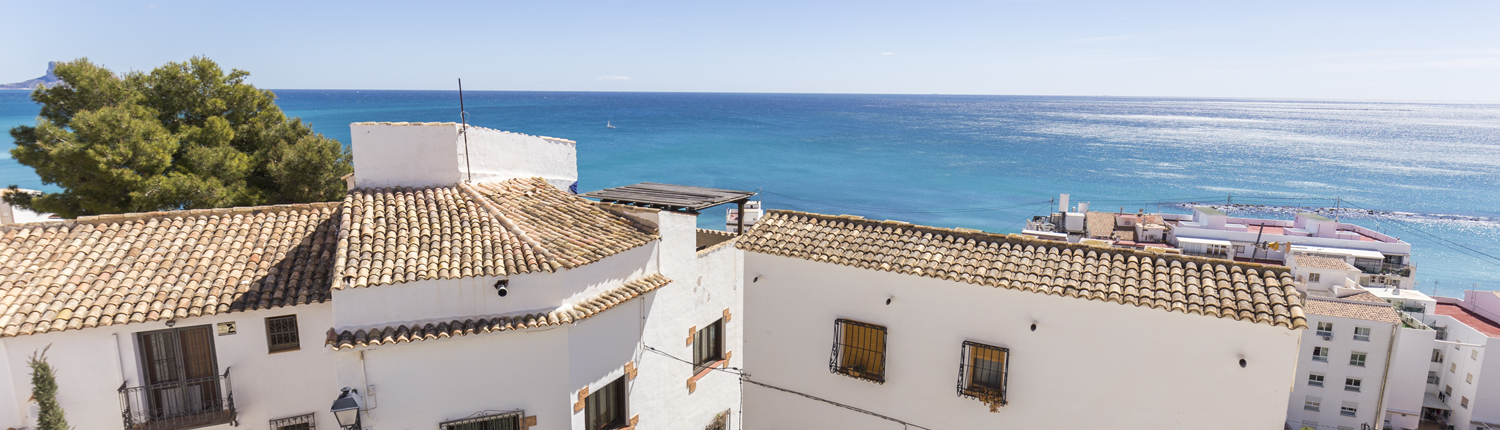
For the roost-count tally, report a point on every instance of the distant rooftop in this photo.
(1377, 310)
(1209, 210)
(1484, 325)
(1317, 262)
(1315, 217)
(669, 197)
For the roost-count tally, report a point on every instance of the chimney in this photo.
(1062, 203)
(1083, 207)
(424, 154)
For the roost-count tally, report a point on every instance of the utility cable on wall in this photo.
(745, 377)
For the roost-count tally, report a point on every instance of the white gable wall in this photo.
(1089, 364)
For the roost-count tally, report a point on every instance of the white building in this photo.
(1360, 366)
(1465, 373)
(956, 329)
(505, 302)
(1383, 260)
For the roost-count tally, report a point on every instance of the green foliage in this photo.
(184, 136)
(44, 390)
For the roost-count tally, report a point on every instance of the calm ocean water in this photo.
(988, 162)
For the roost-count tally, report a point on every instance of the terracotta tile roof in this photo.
(1355, 309)
(1240, 291)
(1317, 262)
(518, 226)
(582, 310)
(1365, 296)
(130, 268)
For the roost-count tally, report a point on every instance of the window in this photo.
(1312, 403)
(1452, 367)
(502, 421)
(1474, 355)
(1320, 354)
(1315, 380)
(1313, 277)
(982, 373)
(1463, 401)
(858, 350)
(1349, 409)
(605, 409)
(1437, 355)
(708, 346)
(1352, 384)
(1239, 249)
(1470, 379)
(300, 422)
(1432, 377)
(1345, 428)
(1362, 333)
(1325, 329)
(281, 333)
(1357, 359)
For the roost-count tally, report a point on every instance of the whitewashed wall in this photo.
(1407, 383)
(383, 305)
(433, 154)
(1088, 365)
(91, 364)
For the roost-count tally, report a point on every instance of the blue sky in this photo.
(1447, 50)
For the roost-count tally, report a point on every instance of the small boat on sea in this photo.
(607, 123)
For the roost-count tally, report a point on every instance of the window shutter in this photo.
(726, 314)
(691, 331)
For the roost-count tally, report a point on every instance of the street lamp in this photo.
(346, 409)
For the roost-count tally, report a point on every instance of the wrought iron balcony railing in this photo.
(179, 405)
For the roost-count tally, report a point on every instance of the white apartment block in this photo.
(960, 329)
(430, 300)
(1464, 374)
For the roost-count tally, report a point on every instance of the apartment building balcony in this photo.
(179, 405)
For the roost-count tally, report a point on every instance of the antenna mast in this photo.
(464, 116)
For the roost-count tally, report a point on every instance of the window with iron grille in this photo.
(708, 345)
(496, 421)
(982, 372)
(281, 333)
(300, 422)
(605, 409)
(858, 350)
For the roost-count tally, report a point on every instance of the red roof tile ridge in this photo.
(489, 206)
(129, 216)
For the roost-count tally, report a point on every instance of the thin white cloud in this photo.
(614, 78)
(888, 53)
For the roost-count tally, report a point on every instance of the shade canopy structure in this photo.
(680, 198)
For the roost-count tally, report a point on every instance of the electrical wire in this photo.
(745, 378)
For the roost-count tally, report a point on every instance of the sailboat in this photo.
(607, 124)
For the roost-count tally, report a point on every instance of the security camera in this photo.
(501, 287)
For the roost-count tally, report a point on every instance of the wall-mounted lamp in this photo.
(346, 409)
(502, 287)
(171, 323)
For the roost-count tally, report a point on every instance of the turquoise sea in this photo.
(989, 162)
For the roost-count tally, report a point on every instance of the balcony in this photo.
(179, 405)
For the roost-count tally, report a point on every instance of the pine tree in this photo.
(184, 136)
(44, 390)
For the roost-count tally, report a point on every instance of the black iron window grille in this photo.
(300, 422)
(708, 346)
(486, 421)
(858, 350)
(281, 333)
(982, 373)
(605, 409)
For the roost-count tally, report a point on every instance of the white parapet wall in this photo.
(422, 154)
